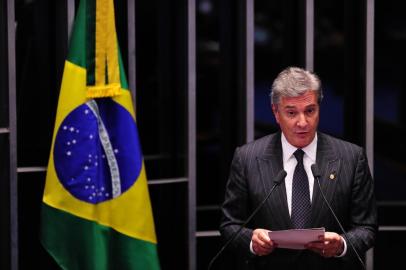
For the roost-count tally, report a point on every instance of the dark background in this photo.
(41, 47)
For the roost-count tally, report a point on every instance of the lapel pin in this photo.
(332, 176)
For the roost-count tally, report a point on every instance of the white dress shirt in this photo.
(289, 165)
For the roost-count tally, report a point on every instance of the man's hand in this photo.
(329, 245)
(261, 243)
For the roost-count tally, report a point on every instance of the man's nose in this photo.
(302, 121)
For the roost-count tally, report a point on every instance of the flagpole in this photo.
(70, 11)
(131, 50)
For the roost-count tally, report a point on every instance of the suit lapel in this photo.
(329, 165)
(270, 164)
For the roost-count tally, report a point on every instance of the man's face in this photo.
(298, 118)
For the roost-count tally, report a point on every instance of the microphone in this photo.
(317, 175)
(278, 179)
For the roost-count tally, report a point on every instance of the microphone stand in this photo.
(316, 175)
(281, 175)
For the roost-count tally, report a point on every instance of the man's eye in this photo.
(291, 113)
(310, 111)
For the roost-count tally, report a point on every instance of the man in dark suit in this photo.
(297, 202)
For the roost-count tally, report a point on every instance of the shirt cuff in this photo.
(344, 250)
(251, 249)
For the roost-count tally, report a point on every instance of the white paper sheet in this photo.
(296, 238)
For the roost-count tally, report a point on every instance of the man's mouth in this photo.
(301, 133)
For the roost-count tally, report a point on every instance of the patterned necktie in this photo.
(301, 205)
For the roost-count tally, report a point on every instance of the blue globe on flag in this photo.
(96, 151)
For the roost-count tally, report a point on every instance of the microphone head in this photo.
(315, 171)
(280, 177)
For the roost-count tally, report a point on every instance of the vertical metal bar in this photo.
(369, 99)
(70, 10)
(11, 27)
(369, 82)
(309, 53)
(249, 69)
(131, 48)
(191, 124)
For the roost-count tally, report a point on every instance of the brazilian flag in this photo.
(96, 211)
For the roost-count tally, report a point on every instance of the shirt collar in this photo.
(288, 149)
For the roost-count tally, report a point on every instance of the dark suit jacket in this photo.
(350, 193)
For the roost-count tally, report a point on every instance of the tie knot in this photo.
(299, 155)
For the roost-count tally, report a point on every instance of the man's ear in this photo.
(275, 112)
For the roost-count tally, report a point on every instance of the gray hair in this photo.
(293, 82)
